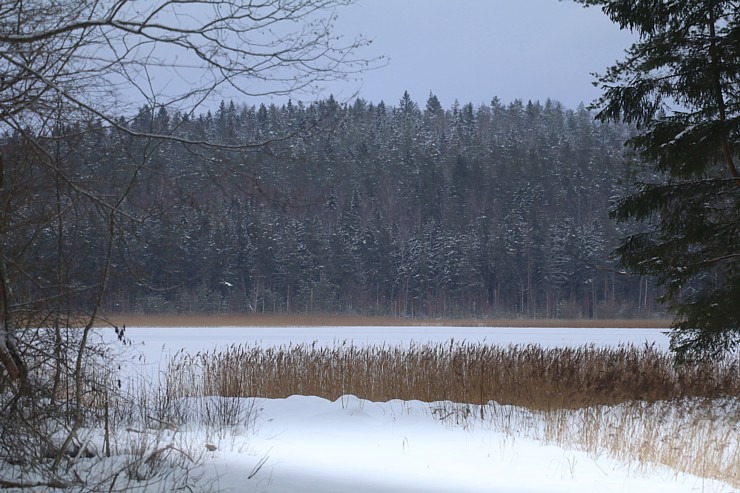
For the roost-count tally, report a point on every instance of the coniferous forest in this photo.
(366, 208)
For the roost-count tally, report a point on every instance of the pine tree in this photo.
(679, 85)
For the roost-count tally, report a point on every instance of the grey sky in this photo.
(472, 50)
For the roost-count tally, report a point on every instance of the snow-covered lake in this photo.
(308, 444)
(157, 341)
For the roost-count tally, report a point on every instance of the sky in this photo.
(473, 50)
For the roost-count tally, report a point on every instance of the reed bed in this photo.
(530, 376)
(632, 403)
(695, 436)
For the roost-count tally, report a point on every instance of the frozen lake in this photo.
(309, 444)
(158, 340)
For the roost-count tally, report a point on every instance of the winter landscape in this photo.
(311, 444)
(305, 443)
(376, 245)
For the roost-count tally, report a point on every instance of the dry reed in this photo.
(695, 436)
(529, 376)
(632, 403)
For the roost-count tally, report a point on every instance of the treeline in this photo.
(495, 210)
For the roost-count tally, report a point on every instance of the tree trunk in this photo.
(721, 106)
(10, 358)
(9, 354)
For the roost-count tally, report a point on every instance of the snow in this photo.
(155, 342)
(153, 346)
(683, 133)
(313, 445)
(309, 444)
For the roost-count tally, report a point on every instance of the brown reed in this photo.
(530, 376)
(631, 402)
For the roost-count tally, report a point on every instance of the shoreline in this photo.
(338, 320)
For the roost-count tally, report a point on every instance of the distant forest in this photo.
(468, 211)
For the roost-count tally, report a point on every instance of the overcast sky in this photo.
(473, 50)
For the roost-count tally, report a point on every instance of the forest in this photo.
(496, 210)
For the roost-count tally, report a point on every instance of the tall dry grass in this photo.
(630, 402)
(694, 436)
(529, 376)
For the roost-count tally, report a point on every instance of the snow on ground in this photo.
(308, 444)
(351, 445)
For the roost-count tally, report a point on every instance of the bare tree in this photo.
(71, 70)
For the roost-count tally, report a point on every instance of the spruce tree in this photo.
(679, 85)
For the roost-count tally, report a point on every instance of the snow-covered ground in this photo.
(309, 444)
